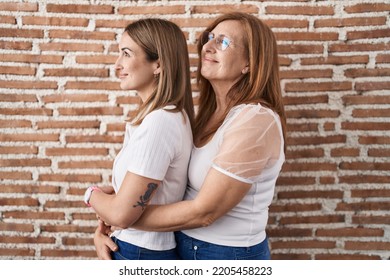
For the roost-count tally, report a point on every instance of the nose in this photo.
(118, 65)
(209, 46)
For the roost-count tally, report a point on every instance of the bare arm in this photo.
(218, 195)
(124, 208)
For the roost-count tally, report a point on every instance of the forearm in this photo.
(173, 217)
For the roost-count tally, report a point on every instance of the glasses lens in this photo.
(206, 36)
(224, 42)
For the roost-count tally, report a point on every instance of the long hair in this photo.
(260, 85)
(163, 40)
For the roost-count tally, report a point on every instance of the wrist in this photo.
(88, 194)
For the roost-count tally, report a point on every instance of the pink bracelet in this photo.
(88, 194)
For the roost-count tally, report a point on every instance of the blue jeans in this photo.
(127, 251)
(193, 249)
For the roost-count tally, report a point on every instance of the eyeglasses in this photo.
(222, 42)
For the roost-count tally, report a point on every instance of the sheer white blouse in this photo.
(248, 147)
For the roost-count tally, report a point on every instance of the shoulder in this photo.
(255, 114)
(161, 117)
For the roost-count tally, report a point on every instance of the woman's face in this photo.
(225, 65)
(134, 70)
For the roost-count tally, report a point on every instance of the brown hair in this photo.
(164, 40)
(260, 85)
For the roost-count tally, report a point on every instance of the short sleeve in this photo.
(154, 145)
(251, 143)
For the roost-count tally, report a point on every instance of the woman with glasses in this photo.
(152, 164)
(238, 146)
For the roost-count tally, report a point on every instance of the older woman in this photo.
(239, 146)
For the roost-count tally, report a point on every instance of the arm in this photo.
(124, 208)
(219, 194)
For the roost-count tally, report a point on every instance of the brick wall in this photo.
(62, 120)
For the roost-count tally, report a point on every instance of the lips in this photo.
(209, 59)
(121, 75)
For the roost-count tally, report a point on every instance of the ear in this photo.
(157, 69)
(245, 70)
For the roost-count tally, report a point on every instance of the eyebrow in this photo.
(125, 48)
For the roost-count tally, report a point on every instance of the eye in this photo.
(225, 42)
(125, 54)
(210, 36)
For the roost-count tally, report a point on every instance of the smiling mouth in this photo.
(209, 59)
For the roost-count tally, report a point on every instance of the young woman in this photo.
(152, 165)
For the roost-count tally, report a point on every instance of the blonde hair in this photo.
(260, 85)
(164, 41)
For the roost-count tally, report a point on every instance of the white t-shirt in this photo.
(248, 147)
(159, 148)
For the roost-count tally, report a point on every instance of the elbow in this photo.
(123, 221)
(204, 218)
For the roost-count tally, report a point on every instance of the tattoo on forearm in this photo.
(144, 199)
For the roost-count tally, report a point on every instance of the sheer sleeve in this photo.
(251, 142)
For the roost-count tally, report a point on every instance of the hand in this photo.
(103, 243)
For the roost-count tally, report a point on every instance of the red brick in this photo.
(105, 164)
(317, 140)
(19, 7)
(21, 33)
(289, 232)
(90, 97)
(367, 86)
(29, 137)
(32, 58)
(366, 179)
(286, 23)
(306, 36)
(54, 21)
(67, 253)
(93, 85)
(16, 227)
(299, 10)
(370, 193)
(17, 252)
(222, 9)
(69, 178)
(13, 70)
(15, 175)
(76, 151)
(290, 256)
(343, 22)
(295, 207)
(365, 126)
(308, 244)
(379, 33)
(328, 219)
(8, 19)
(75, 72)
(346, 257)
(318, 86)
(302, 74)
(368, 140)
(18, 150)
(68, 124)
(306, 153)
(319, 166)
(367, 246)
(353, 73)
(18, 202)
(383, 58)
(384, 220)
(29, 189)
(336, 60)
(67, 228)
(15, 45)
(356, 232)
(309, 194)
(349, 47)
(80, 9)
(95, 111)
(27, 239)
(12, 123)
(378, 152)
(172, 9)
(25, 162)
(363, 206)
(371, 113)
(96, 59)
(302, 127)
(27, 111)
(87, 47)
(345, 152)
(367, 8)
(35, 215)
(300, 49)
(72, 241)
(371, 99)
(83, 35)
(297, 114)
(94, 139)
(292, 180)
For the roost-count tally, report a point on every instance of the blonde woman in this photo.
(152, 164)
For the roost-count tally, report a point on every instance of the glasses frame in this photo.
(221, 41)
